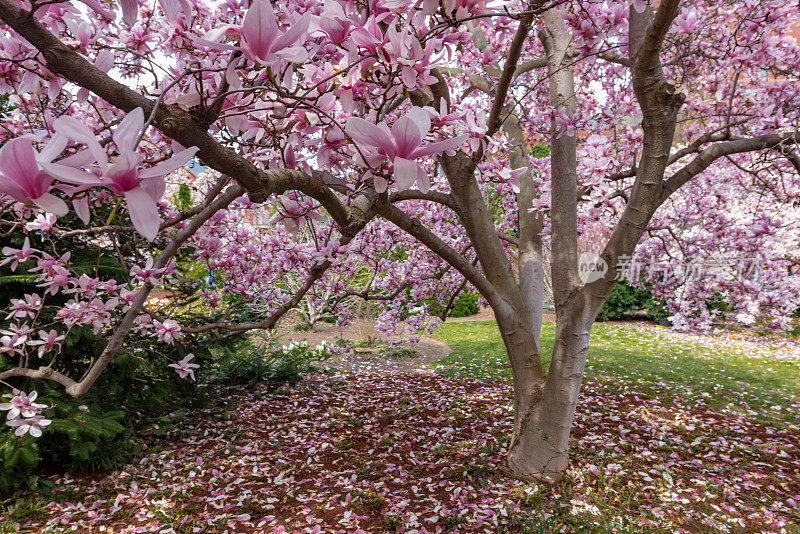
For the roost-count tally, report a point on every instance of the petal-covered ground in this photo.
(383, 452)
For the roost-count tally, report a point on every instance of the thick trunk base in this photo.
(535, 458)
(543, 416)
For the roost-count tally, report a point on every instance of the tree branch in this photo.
(514, 51)
(718, 150)
(528, 66)
(431, 196)
(645, 49)
(46, 373)
(417, 230)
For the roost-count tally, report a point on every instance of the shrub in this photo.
(656, 309)
(625, 299)
(94, 432)
(281, 364)
(81, 437)
(539, 151)
(465, 305)
(401, 353)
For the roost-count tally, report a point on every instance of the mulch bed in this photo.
(382, 452)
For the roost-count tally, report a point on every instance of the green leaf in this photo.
(13, 458)
(114, 414)
(18, 278)
(64, 426)
(112, 427)
(92, 427)
(28, 456)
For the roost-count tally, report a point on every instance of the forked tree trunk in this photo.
(540, 444)
(542, 422)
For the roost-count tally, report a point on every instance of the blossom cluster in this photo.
(25, 414)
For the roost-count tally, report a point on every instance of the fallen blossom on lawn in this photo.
(744, 343)
(376, 452)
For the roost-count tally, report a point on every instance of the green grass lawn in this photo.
(729, 375)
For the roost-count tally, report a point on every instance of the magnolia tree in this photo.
(398, 139)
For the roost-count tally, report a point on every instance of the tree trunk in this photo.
(531, 282)
(526, 367)
(542, 422)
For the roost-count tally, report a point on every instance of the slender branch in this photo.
(431, 196)
(528, 66)
(718, 150)
(213, 112)
(514, 52)
(614, 58)
(41, 373)
(645, 56)
(508, 238)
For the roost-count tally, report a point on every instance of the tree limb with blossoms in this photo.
(392, 144)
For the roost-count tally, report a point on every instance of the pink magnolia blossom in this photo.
(85, 285)
(511, 177)
(148, 273)
(405, 50)
(563, 123)
(32, 425)
(686, 22)
(759, 228)
(168, 331)
(141, 188)
(260, 37)
(18, 255)
(184, 368)
(100, 9)
(55, 279)
(329, 251)
(127, 296)
(369, 37)
(400, 144)
(335, 23)
(172, 7)
(25, 307)
(130, 11)
(22, 180)
(10, 344)
(540, 204)
(476, 128)
(18, 332)
(22, 405)
(295, 212)
(43, 222)
(47, 342)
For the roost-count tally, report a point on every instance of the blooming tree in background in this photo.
(393, 142)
